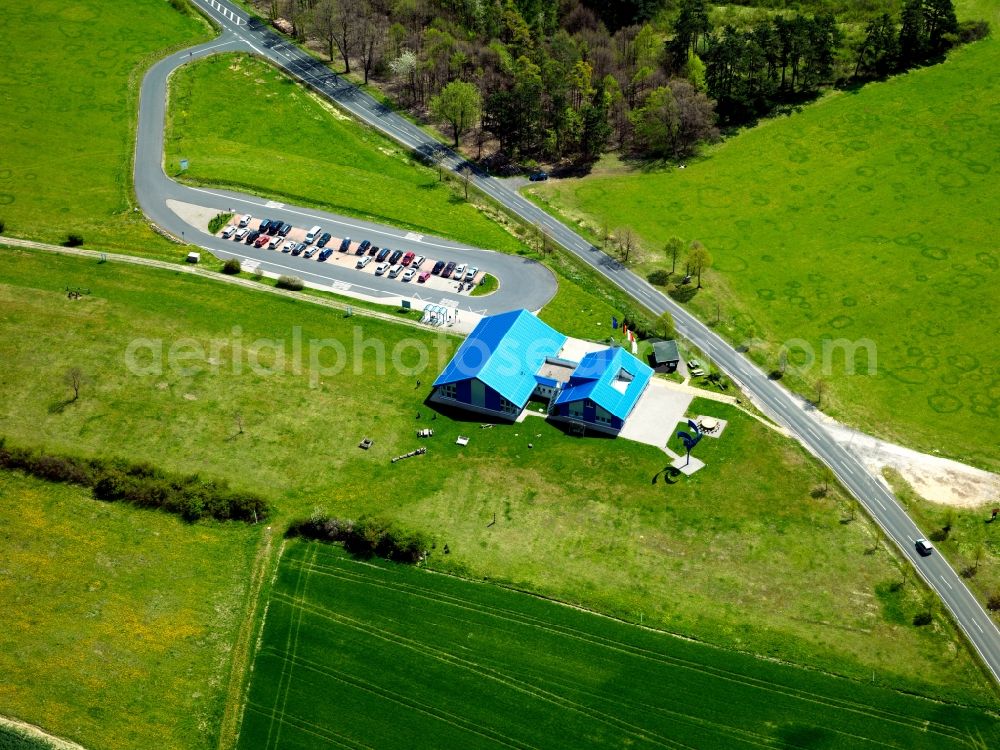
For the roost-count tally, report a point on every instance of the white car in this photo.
(408, 274)
(395, 270)
(362, 262)
(471, 273)
(459, 272)
(381, 268)
(275, 241)
(241, 233)
(310, 252)
(228, 231)
(418, 261)
(245, 219)
(287, 247)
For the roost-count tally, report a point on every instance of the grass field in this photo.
(286, 142)
(117, 623)
(360, 655)
(69, 83)
(868, 215)
(580, 520)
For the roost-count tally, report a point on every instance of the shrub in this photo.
(218, 222)
(659, 277)
(292, 283)
(973, 31)
(232, 266)
(3, 225)
(922, 618)
(367, 538)
(993, 603)
(73, 240)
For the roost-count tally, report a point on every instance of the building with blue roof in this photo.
(513, 356)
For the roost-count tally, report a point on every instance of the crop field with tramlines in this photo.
(357, 654)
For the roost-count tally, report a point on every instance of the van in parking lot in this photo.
(273, 243)
(312, 233)
(240, 234)
(362, 262)
(228, 231)
(381, 268)
(395, 270)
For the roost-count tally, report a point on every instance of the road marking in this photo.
(978, 626)
(945, 582)
(338, 284)
(414, 237)
(274, 204)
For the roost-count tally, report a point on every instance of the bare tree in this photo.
(238, 419)
(324, 22)
(74, 378)
(627, 242)
(372, 26)
(466, 173)
(673, 249)
(293, 12)
(345, 18)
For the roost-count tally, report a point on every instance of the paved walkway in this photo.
(655, 415)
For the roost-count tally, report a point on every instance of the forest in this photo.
(518, 82)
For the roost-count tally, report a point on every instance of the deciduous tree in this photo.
(698, 259)
(460, 105)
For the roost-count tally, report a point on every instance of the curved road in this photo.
(240, 32)
(523, 282)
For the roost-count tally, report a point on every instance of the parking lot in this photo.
(315, 245)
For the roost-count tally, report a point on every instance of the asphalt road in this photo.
(523, 282)
(973, 620)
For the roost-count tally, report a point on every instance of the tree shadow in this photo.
(59, 406)
(683, 293)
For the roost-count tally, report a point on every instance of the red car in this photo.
(408, 258)
(261, 241)
(423, 277)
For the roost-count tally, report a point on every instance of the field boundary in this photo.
(37, 733)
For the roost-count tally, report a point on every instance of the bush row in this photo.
(294, 283)
(140, 484)
(365, 537)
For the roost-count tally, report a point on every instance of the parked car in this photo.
(284, 230)
(408, 258)
(323, 239)
(245, 219)
(345, 244)
(297, 250)
(312, 234)
(460, 272)
(418, 261)
(228, 231)
(261, 241)
(408, 274)
(240, 234)
(310, 252)
(924, 547)
(381, 268)
(288, 247)
(438, 267)
(264, 226)
(252, 237)
(327, 252)
(424, 275)
(471, 273)
(448, 269)
(273, 227)
(362, 262)
(396, 255)
(539, 177)
(363, 247)
(373, 250)
(395, 271)
(273, 243)
(383, 254)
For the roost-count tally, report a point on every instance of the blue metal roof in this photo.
(505, 351)
(594, 378)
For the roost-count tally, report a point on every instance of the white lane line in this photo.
(978, 626)
(945, 581)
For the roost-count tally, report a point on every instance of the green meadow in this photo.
(117, 623)
(374, 655)
(245, 125)
(870, 217)
(741, 555)
(69, 89)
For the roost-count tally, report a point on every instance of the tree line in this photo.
(553, 80)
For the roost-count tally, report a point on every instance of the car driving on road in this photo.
(924, 547)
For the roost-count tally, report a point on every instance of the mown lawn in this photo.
(244, 124)
(867, 217)
(355, 654)
(69, 89)
(117, 623)
(739, 555)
